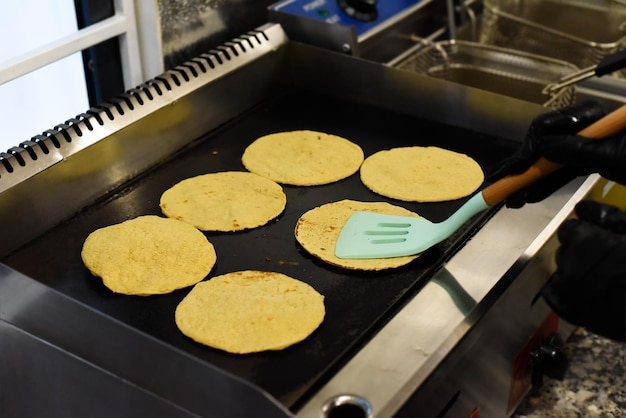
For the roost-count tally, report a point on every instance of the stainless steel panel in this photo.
(62, 358)
(39, 379)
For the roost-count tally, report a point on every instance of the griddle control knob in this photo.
(549, 359)
(364, 10)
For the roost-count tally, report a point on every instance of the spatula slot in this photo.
(386, 232)
(394, 225)
(388, 241)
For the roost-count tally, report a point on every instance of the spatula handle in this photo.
(503, 188)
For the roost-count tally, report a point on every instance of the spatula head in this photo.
(375, 235)
(372, 235)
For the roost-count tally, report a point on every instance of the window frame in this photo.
(140, 56)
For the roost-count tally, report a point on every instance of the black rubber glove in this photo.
(553, 135)
(588, 288)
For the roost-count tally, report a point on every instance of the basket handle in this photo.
(607, 65)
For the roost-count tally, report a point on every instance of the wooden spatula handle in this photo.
(503, 188)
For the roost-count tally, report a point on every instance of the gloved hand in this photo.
(588, 288)
(553, 135)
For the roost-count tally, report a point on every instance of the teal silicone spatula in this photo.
(374, 235)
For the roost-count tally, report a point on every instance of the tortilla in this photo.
(303, 158)
(225, 201)
(250, 311)
(148, 255)
(421, 174)
(318, 229)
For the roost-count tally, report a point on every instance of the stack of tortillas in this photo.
(148, 255)
(303, 158)
(225, 201)
(250, 311)
(317, 231)
(421, 174)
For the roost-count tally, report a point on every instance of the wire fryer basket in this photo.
(580, 32)
(500, 70)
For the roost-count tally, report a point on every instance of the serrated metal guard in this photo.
(64, 140)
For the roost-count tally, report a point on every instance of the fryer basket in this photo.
(580, 32)
(500, 70)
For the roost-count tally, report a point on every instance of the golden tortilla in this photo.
(225, 201)
(303, 158)
(421, 174)
(318, 229)
(148, 255)
(250, 311)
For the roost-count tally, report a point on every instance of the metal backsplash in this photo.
(192, 27)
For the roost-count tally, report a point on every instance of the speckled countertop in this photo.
(594, 384)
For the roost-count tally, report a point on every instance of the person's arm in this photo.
(553, 136)
(588, 288)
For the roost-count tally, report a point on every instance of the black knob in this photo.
(549, 359)
(364, 10)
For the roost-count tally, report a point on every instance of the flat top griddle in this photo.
(357, 303)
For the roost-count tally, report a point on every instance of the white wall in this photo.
(46, 97)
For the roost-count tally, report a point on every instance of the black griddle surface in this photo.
(357, 303)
